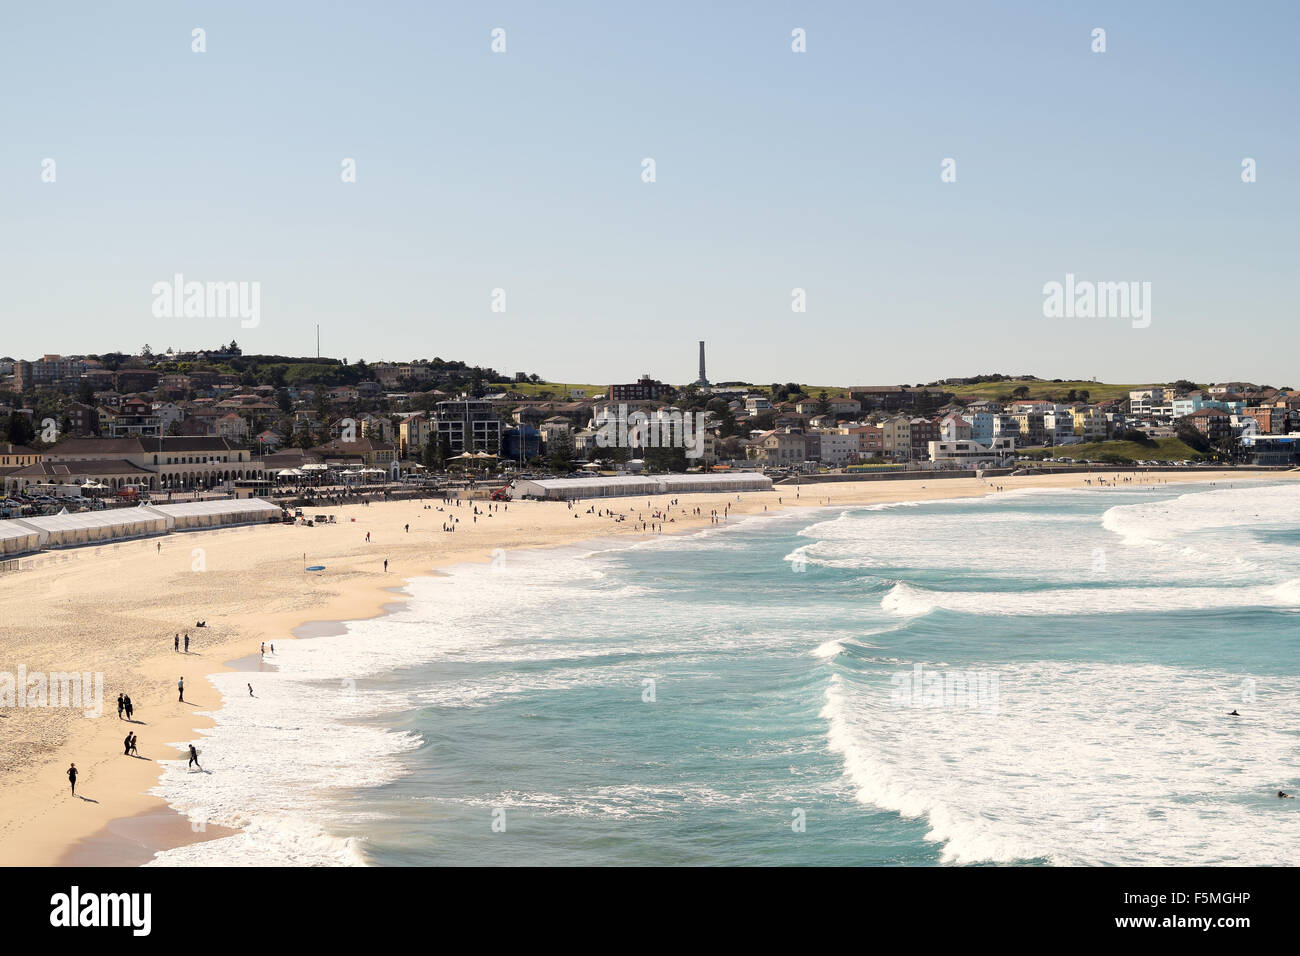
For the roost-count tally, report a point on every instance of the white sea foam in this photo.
(1084, 764)
(910, 600)
(282, 764)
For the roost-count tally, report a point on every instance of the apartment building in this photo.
(896, 437)
(469, 425)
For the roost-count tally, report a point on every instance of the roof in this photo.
(113, 517)
(198, 508)
(79, 448)
(67, 469)
(179, 443)
(358, 446)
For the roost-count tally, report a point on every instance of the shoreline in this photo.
(130, 826)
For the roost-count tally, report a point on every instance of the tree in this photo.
(1139, 437)
(665, 459)
(20, 430)
(1190, 436)
(1020, 391)
(559, 450)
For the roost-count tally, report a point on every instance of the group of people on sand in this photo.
(126, 711)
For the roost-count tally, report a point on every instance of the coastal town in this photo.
(80, 431)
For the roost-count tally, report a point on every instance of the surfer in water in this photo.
(1284, 795)
(1234, 714)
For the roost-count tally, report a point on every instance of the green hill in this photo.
(1164, 449)
(1038, 389)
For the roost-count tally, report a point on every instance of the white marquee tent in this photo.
(728, 482)
(89, 527)
(16, 538)
(600, 486)
(208, 514)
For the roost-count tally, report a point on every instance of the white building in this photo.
(970, 454)
(837, 449)
(167, 414)
(956, 428)
(1143, 402)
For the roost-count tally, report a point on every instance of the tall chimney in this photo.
(703, 378)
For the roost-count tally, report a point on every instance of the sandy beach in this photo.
(114, 610)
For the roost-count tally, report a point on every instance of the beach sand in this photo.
(114, 610)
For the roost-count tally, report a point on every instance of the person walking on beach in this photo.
(250, 690)
(187, 643)
(194, 758)
(120, 706)
(272, 648)
(72, 778)
(180, 687)
(130, 710)
(126, 746)
(264, 648)
(135, 752)
(176, 642)
(385, 565)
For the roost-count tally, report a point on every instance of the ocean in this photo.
(1037, 677)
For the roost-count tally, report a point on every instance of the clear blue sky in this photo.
(774, 170)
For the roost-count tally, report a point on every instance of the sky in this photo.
(774, 170)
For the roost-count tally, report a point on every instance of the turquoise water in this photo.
(1079, 652)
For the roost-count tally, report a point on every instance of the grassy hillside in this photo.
(559, 391)
(1165, 449)
(1097, 391)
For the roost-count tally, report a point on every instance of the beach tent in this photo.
(600, 486)
(92, 527)
(189, 515)
(733, 483)
(16, 538)
(595, 486)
